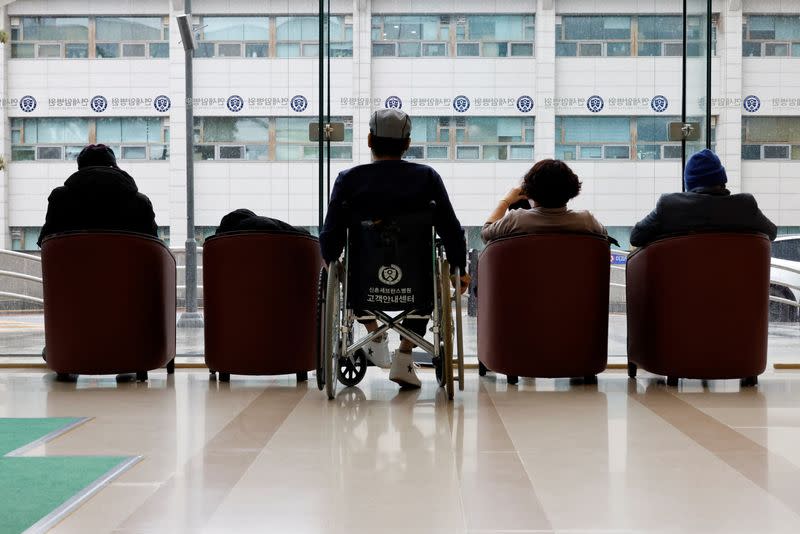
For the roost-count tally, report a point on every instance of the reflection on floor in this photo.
(270, 455)
(23, 335)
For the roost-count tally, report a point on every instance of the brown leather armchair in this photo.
(109, 303)
(260, 294)
(543, 306)
(698, 307)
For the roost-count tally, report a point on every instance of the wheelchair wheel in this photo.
(352, 368)
(446, 327)
(459, 332)
(322, 288)
(333, 322)
(438, 365)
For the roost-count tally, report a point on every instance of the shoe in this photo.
(378, 352)
(402, 371)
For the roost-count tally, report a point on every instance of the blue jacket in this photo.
(385, 188)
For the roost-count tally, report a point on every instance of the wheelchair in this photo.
(391, 265)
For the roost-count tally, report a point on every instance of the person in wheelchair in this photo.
(390, 186)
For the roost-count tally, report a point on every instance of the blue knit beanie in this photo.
(704, 170)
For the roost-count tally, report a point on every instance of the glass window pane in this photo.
(522, 152)
(256, 152)
(23, 153)
(751, 48)
(129, 28)
(776, 49)
(590, 152)
(49, 50)
(591, 49)
(616, 28)
(229, 50)
(134, 152)
(204, 152)
(776, 152)
(795, 49)
(23, 50)
(55, 28)
(566, 152)
(56, 131)
(468, 49)
(415, 152)
(107, 50)
(495, 152)
(596, 129)
(133, 50)
(409, 49)
(231, 152)
(256, 50)
(236, 28)
(566, 49)
(648, 152)
(617, 152)
(287, 49)
(159, 152)
(672, 152)
(521, 49)
(288, 152)
(383, 49)
(159, 50)
(618, 49)
(650, 49)
(579, 28)
(109, 131)
(75, 51)
(495, 49)
(468, 152)
(438, 152)
(673, 49)
(433, 49)
(342, 49)
(204, 50)
(751, 151)
(48, 152)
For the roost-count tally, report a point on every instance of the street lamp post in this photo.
(190, 318)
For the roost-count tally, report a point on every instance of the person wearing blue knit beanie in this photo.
(706, 206)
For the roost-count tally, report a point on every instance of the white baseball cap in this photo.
(391, 123)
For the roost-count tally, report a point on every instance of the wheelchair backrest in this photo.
(390, 263)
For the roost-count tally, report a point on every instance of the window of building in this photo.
(89, 37)
(131, 138)
(630, 35)
(298, 36)
(477, 138)
(771, 35)
(452, 35)
(232, 36)
(263, 139)
(771, 138)
(610, 138)
(135, 137)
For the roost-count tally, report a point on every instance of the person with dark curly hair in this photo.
(546, 189)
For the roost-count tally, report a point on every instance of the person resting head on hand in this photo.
(547, 187)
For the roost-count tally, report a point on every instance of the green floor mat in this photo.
(33, 487)
(16, 433)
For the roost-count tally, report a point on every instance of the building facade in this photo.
(491, 87)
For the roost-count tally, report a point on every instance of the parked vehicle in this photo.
(785, 253)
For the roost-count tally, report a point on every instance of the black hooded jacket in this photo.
(99, 198)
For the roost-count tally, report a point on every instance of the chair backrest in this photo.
(698, 305)
(543, 305)
(390, 263)
(260, 298)
(109, 302)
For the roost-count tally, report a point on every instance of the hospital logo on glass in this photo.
(390, 274)
(162, 103)
(98, 104)
(461, 103)
(751, 103)
(659, 103)
(27, 103)
(235, 103)
(525, 104)
(595, 104)
(393, 102)
(298, 103)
